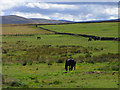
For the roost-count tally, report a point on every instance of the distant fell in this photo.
(13, 19)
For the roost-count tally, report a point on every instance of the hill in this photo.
(13, 19)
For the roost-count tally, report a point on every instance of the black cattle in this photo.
(70, 63)
(90, 39)
(38, 37)
(24, 63)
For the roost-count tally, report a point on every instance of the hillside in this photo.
(13, 19)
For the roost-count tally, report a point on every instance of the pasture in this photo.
(107, 29)
(48, 76)
(20, 44)
(8, 29)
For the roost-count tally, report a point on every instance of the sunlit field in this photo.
(107, 29)
(97, 61)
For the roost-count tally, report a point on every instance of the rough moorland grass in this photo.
(98, 29)
(54, 40)
(25, 48)
(22, 29)
(43, 75)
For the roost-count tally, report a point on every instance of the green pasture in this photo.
(49, 76)
(10, 42)
(22, 29)
(106, 29)
(20, 44)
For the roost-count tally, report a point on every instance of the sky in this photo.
(72, 10)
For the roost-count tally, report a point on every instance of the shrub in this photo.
(87, 55)
(110, 66)
(81, 59)
(14, 83)
(60, 61)
(57, 82)
(24, 63)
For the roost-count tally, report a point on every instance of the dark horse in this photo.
(71, 63)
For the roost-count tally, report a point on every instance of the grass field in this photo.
(20, 44)
(45, 76)
(10, 42)
(97, 29)
(22, 29)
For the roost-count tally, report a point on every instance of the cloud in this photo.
(1, 13)
(84, 12)
(59, 16)
(75, 0)
(111, 11)
(30, 15)
(51, 6)
(7, 4)
(72, 12)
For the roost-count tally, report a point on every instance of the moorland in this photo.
(97, 61)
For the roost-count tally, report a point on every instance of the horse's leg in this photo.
(66, 67)
(74, 65)
(71, 67)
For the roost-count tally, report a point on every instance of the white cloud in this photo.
(7, 4)
(88, 15)
(59, 16)
(85, 12)
(56, 16)
(1, 13)
(51, 6)
(30, 15)
(111, 11)
(112, 17)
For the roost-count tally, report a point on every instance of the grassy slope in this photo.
(98, 29)
(22, 29)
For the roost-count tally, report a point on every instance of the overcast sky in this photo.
(62, 10)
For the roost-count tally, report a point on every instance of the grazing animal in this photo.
(38, 37)
(35, 25)
(90, 39)
(24, 63)
(49, 64)
(70, 63)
